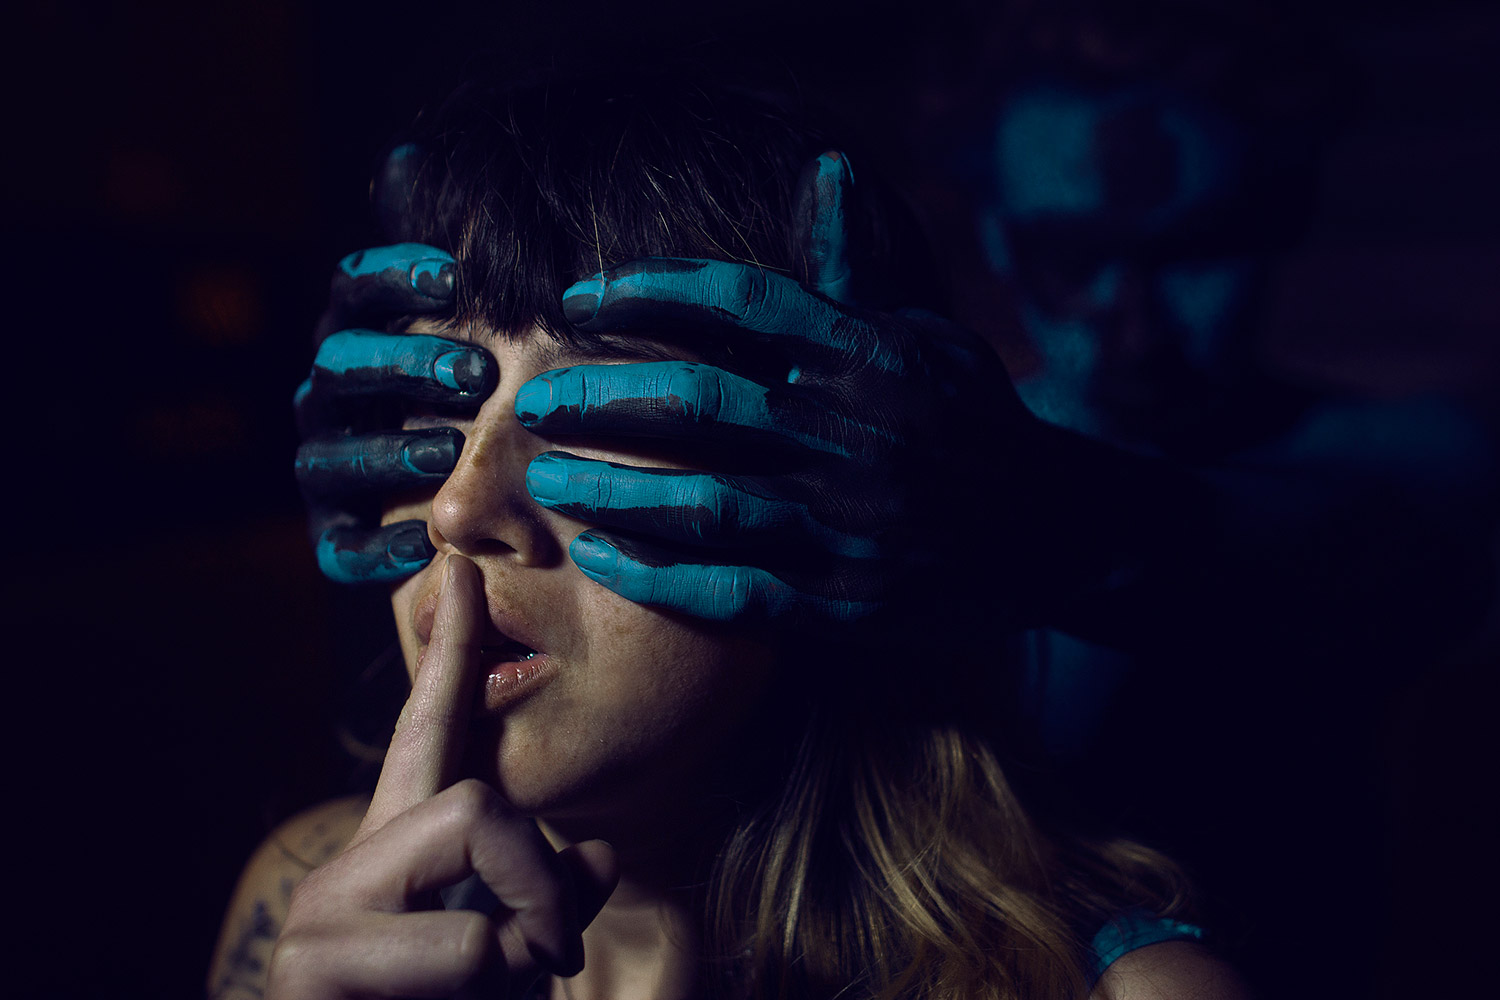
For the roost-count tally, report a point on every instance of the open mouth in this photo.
(506, 650)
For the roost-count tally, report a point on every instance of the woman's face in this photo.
(619, 704)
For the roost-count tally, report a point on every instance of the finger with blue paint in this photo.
(347, 467)
(391, 191)
(687, 402)
(851, 411)
(371, 286)
(823, 195)
(344, 466)
(362, 366)
(734, 302)
(352, 554)
(364, 381)
(655, 575)
(686, 506)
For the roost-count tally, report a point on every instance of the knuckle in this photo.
(693, 393)
(708, 506)
(469, 803)
(470, 945)
(293, 968)
(742, 290)
(709, 391)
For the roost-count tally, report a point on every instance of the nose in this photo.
(1129, 320)
(483, 509)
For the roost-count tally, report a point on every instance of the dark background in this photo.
(181, 178)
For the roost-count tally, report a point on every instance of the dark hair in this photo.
(535, 186)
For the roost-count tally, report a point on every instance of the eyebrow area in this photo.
(555, 353)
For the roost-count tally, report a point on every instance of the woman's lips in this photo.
(508, 680)
(506, 627)
(510, 656)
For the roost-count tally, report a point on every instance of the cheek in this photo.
(678, 674)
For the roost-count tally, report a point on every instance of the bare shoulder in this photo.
(1172, 970)
(258, 907)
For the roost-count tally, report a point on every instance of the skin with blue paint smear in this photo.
(682, 505)
(684, 401)
(376, 464)
(382, 555)
(427, 272)
(407, 365)
(863, 393)
(732, 299)
(822, 201)
(836, 358)
(345, 467)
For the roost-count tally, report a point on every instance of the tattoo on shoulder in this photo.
(246, 964)
(323, 841)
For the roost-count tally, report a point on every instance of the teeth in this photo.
(508, 652)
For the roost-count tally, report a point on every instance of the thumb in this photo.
(822, 230)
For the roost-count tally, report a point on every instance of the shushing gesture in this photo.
(370, 922)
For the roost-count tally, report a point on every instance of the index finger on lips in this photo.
(693, 298)
(430, 734)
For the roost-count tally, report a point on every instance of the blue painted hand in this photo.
(350, 458)
(870, 421)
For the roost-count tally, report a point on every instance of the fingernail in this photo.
(433, 278)
(410, 546)
(581, 301)
(465, 371)
(836, 162)
(547, 479)
(593, 555)
(433, 454)
(532, 400)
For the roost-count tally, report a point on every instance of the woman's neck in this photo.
(647, 942)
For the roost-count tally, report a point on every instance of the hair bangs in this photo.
(534, 188)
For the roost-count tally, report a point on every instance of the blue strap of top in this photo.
(1136, 929)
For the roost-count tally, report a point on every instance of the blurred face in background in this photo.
(1118, 217)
